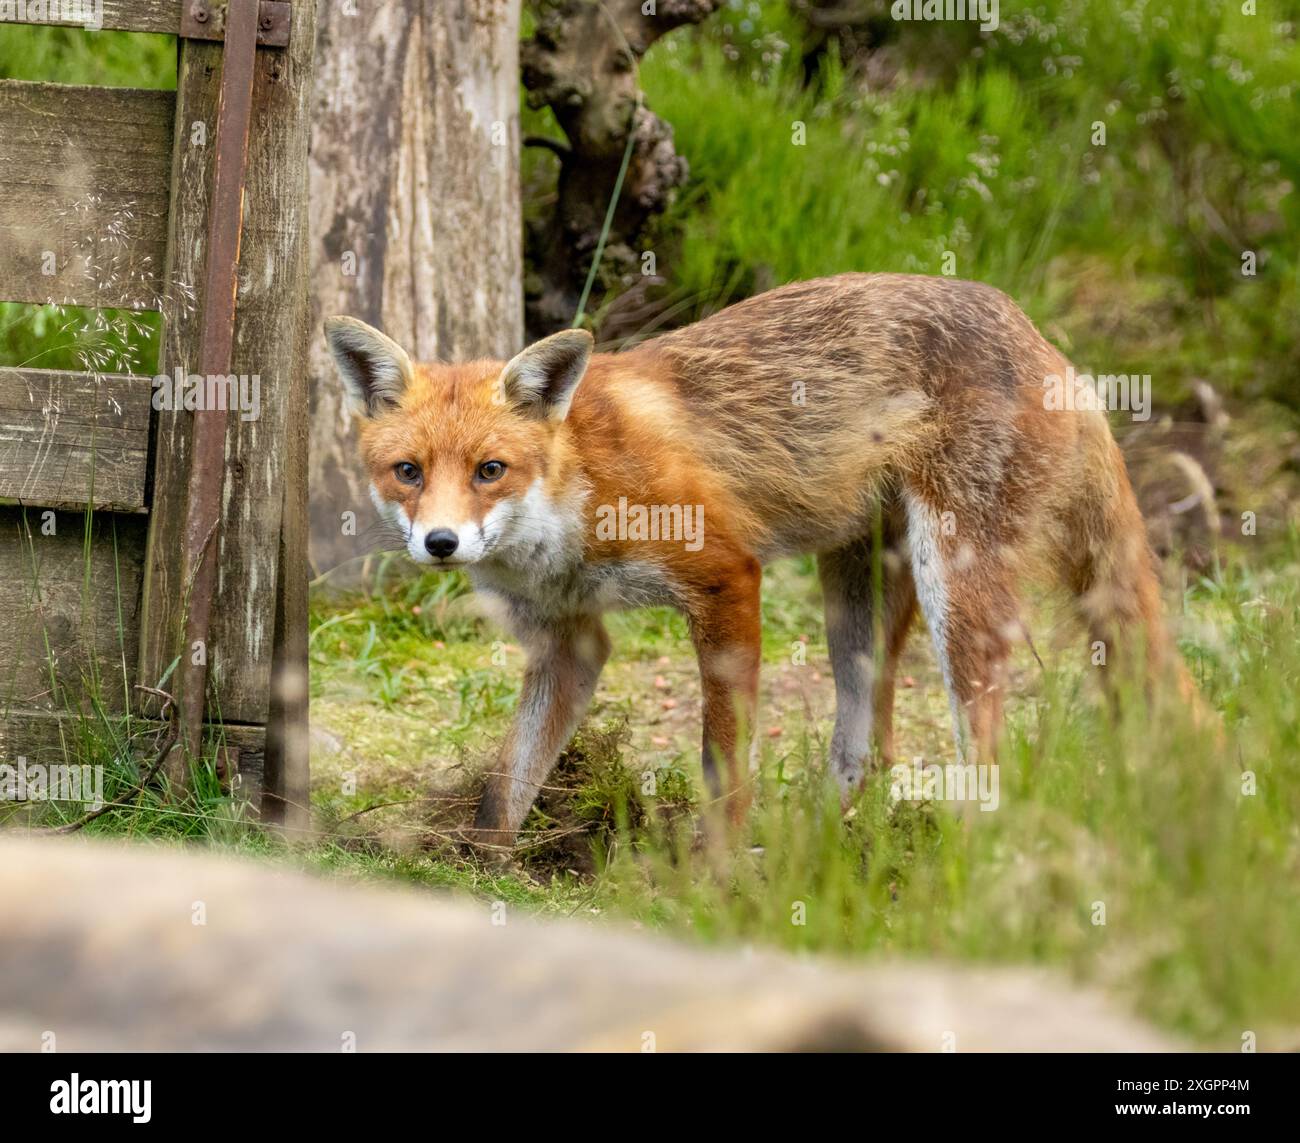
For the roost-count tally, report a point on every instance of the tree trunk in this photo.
(581, 62)
(415, 209)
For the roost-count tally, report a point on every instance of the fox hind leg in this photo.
(968, 598)
(864, 686)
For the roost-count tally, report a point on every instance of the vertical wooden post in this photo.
(286, 788)
(285, 780)
(259, 615)
(162, 595)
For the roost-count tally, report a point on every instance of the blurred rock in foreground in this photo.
(132, 948)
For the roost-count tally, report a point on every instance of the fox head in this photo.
(462, 458)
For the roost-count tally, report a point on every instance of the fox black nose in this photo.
(441, 543)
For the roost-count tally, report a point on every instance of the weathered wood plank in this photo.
(73, 439)
(84, 194)
(269, 342)
(69, 609)
(163, 597)
(114, 15)
(48, 739)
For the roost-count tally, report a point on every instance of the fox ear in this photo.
(541, 380)
(375, 369)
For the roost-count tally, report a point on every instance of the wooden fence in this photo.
(106, 200)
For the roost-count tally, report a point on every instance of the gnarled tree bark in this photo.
(581, 62)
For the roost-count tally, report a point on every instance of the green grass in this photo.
(78, 338)
(124, 747)
(1146, 817)
(982, 150)
(82, 56)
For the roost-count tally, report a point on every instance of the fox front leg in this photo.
(726, 630)
(564, 662)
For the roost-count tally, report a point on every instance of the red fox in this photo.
(807, 419)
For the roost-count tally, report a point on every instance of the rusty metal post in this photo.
(207, 456)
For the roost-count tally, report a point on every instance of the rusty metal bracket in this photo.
(217, 332)
(206, 20)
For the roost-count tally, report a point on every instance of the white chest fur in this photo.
(539, 594)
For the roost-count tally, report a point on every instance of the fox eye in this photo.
(491, 470)
(407, 472)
